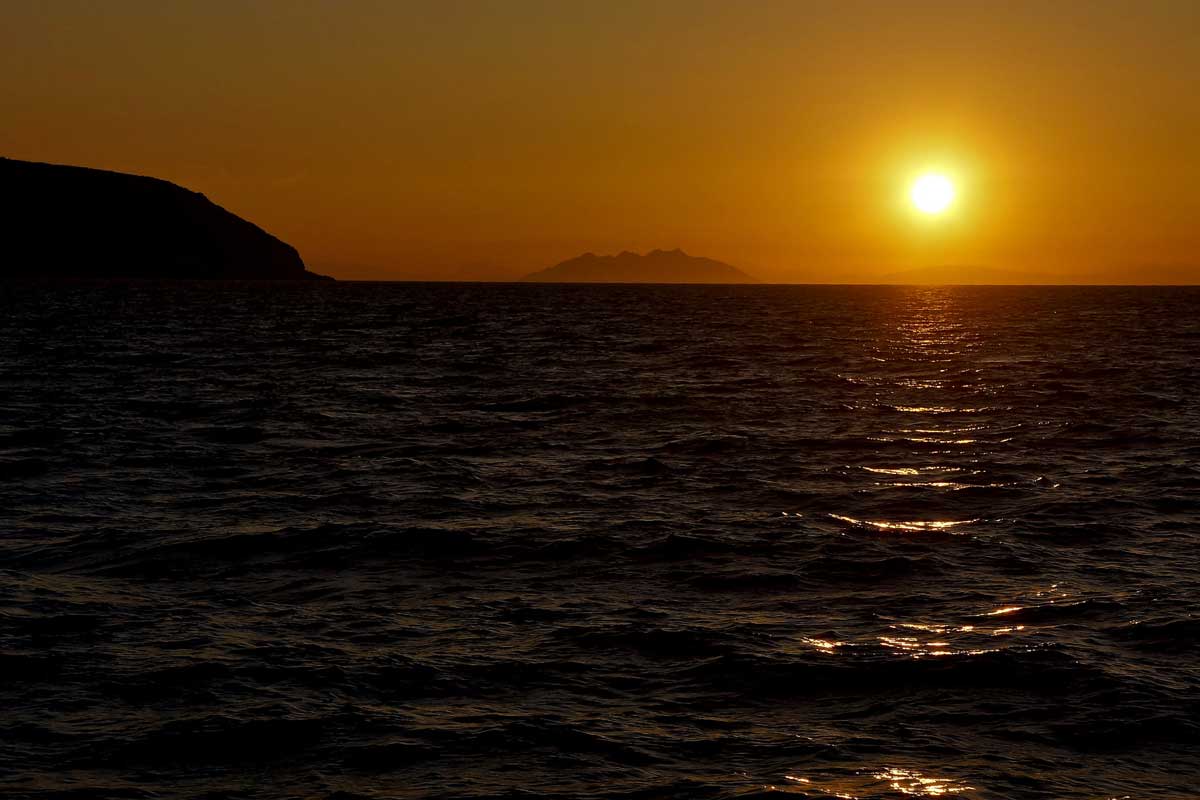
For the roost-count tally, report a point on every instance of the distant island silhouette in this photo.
(657, 266)
(63, 221)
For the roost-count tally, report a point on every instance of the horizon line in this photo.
(765, 283)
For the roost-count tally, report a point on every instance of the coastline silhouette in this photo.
(77, 222)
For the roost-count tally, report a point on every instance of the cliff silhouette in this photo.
(61, 221)
(657, 266)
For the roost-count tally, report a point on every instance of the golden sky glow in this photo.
(484, 140)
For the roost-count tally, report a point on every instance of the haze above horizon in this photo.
(489, 140)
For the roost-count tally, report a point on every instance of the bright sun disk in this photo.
(932, 193)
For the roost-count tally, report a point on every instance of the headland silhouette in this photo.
(75, 222)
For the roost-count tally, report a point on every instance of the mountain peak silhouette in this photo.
(657, 266)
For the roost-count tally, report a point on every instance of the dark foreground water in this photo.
(407, 541)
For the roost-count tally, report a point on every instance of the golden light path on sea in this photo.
(866, 784)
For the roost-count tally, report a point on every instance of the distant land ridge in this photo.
(657, 266)
(77, 222)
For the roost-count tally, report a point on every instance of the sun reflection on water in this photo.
(929, 484)
(823, 645)
(918, 640)
(916, 343)
(911, 782)
(914, 470)
(928, 429)
(911, 526)
(866, 785)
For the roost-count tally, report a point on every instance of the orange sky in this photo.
(484, 140)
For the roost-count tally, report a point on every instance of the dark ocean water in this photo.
(408, 541)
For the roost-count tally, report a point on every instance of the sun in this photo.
(932, 193)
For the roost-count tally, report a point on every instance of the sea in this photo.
(598, 542)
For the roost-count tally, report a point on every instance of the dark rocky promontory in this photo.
(657, 266)
(74, 222)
